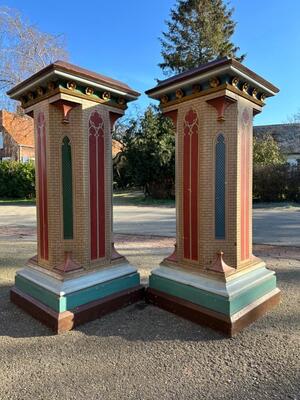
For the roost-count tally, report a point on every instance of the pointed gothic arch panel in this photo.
(42, 186)
(220, 187)
(190, 185)
(67, 188)
(97, 182)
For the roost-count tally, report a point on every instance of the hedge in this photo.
(17, 180)
(270, 183)
(276, 183)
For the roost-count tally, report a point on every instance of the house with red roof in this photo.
(16, 137)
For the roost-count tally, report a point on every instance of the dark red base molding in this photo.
(65, 321)
(204, 316)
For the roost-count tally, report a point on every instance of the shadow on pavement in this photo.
(138, 322)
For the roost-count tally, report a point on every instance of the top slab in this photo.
(70, 77)
(225, 73)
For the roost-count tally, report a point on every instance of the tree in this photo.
(199, 31)
(266, 151)
(294, 118)
(149, 153)
(24, 50)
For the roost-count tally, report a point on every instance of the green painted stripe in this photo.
(75, 299)
(190, 293)
(211, 300)
(249, 296)
(102, 290)
(39, 293)
(67, 186)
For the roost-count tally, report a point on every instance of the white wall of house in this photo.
(293, 159)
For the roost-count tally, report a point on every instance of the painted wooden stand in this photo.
(77, 274)
(212, 277)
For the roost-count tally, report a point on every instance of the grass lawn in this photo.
(137, 198)
(17, 201)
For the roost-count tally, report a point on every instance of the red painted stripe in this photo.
(245, 192)
(194, 196)
(243, 196)
(42, 185)
(101, 196)
(247, 139)
(186, 196)
(93, 196)
(41, 193)
(97, 186)
(45, 189)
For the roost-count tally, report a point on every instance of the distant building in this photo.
(287, 136)
(117, 148)
(16, 137)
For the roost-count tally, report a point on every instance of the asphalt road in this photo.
(144, 353)
(279, 225)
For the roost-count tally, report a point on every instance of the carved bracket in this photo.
(256, 112)
(69, 265)
(220, 266)
(114, 254)
(173, 116)
(65, 107)
(172, 257)
(113, 118)
(221, 104)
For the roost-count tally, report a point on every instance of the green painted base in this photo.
(66, 302)
(224, 304)
(230, 325)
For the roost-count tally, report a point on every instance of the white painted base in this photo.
(228, 289)
(64, 287)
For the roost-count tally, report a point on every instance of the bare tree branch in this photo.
(24, 50)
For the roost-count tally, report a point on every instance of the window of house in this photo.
(1, 141)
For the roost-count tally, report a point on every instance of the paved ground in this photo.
(144, 353)
(277, 226)
(270, 225)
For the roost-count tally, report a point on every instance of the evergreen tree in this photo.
(198, 32)
(149, 154)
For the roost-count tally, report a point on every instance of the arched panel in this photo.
(67, 188)
(42, 186)
(246, 132)
(190, 186)
(220, 187)
(97, 182)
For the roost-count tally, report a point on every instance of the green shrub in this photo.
(276, 183)
(17, 180)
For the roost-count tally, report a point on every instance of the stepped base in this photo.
(65, 321)
(230, 325)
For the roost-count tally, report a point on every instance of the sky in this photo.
(120, 39)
